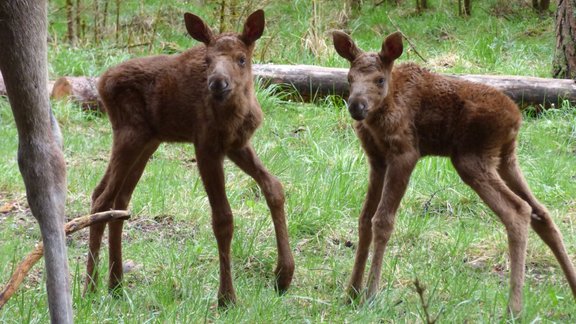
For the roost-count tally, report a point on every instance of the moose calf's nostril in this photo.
(218, 85)
(357, 109)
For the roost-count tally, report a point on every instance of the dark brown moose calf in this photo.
(204, 95)
(408, 112)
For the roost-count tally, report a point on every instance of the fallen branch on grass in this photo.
(72, 226)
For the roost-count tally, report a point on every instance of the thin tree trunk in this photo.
(96, 22)
(78, 29)
(564, 64)
(459, 7)
(70, 23)
(234, 15)
(105, 15)
(222, 16)
(117, 32)
(541, 5)
(467, 7)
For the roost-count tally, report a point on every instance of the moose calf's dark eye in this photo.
(381, 81)
(242, 61)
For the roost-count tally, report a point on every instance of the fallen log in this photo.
(309, 82)
(313, 82)
(79, 89)
(72, 226)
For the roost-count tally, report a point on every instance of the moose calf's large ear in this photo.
(254, 27)
(197, 28)
(345, 46)
(391, 47)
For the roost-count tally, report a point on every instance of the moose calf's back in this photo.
(447, 114)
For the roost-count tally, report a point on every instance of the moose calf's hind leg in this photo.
(541, 221)
(544, 226)
(95, 240)
(121, 202)
(514, 213)
(115, 257)
(129, 149)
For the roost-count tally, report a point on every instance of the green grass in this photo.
(445, 236)
(499, 38)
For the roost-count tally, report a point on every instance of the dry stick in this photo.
(407, 39)
(72, 226)
(420, 290)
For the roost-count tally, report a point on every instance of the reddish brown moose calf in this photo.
(406, 113)
(205, 96)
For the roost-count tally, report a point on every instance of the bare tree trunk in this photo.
(234, 15)
(96, 22)
(105, 15)
(222, 16)
(564, 64)
(541, 5)
(459, 7)
(117, 32)
(70, 22)
(467, 7)
(78, 29)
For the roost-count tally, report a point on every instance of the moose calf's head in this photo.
(228, 55)
(369, 75)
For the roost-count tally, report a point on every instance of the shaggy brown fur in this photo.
(204, 96)
(408, 112)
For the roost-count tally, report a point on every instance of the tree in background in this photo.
(541, 5)
(466, 10)
(564, 64)
(421, 5)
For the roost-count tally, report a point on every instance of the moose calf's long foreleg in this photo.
(211, 167)
(375, 184)
(248, 161)
(396, 180)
